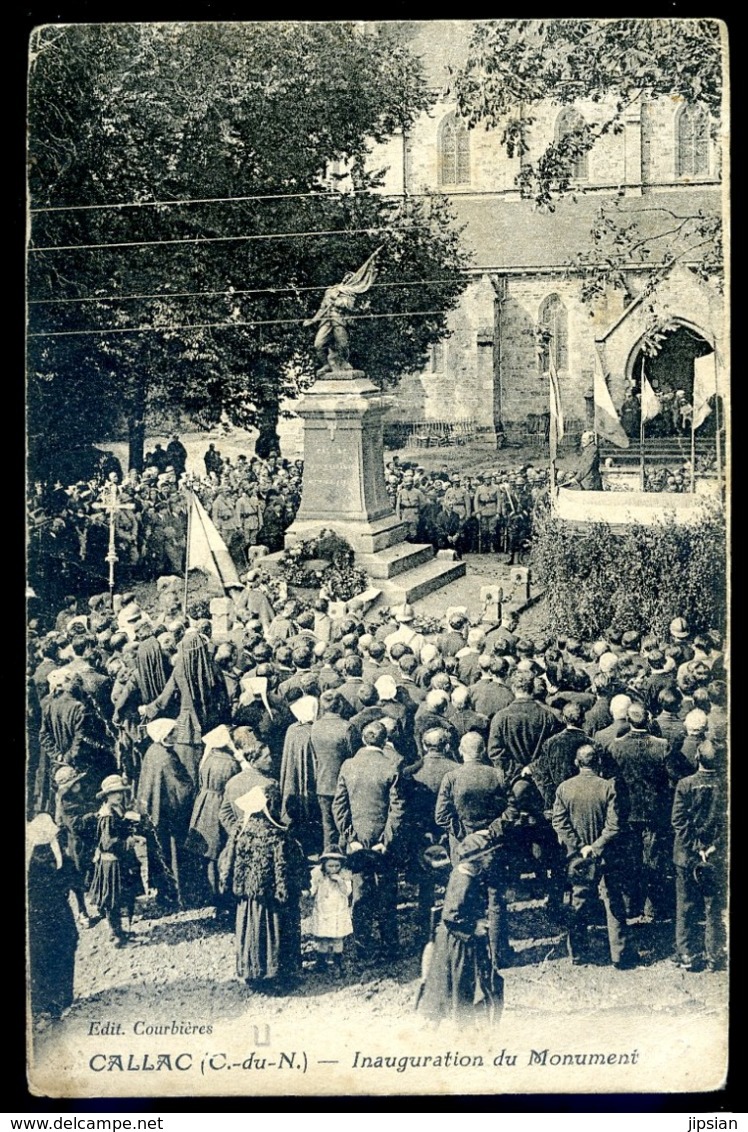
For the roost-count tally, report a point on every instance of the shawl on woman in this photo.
(268, 865)
(150, 670)
(207, 688)
(165, 791)
(199, 683)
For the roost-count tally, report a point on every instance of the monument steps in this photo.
(394, 560)
(420, 581)
(344, 487)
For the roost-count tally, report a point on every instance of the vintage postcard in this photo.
(378, 434)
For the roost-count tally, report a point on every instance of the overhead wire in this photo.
(230, 292)
(222, 239)
(217, 325)
(330, 194)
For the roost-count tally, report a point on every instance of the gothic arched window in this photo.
(691, 141)
(568, 122)
(553, 325)
(454, 152)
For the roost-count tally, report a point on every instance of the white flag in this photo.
(650, 401)
(557, 416)
(704, 387)
(206, 549)
(607, 423)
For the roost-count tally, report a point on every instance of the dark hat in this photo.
(474, 846)
(435, 857)
(581, 868)
(332, 854)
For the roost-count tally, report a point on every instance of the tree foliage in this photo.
(638, 579)
(514, 66)
(203, 302)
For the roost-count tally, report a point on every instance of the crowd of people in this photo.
(361, 759)
(251, 501)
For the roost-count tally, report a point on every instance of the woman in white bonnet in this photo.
(53, 936)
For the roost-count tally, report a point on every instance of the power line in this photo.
(224, 239)
(230, 292)
(331, 194)
(215, 325)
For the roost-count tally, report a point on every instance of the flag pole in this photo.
(641, 429)
(187, 551)
(693, 437)
(552, 440)
(716, 429)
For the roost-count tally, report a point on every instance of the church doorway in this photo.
(670, 372)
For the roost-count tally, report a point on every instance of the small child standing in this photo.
(331, 888)
(116, 877)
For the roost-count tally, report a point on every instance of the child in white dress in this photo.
(331, 888)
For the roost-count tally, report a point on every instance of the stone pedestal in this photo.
(344, 488)
(344, 465)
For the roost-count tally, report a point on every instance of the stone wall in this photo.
(487, 370)
(463, 386)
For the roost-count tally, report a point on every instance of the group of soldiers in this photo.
(487, 512)
(250, 501)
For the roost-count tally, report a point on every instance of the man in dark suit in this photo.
(518, 731)
(421, 783)
(352, 670)
(660, 677)
(432, 713)
(588, 824)
(471, 795)
(469, 656)
(598, 716)
(472, 798)
(461, 714)
(641, 761)
(331, 746)
(368, 812)
(555, 763)
(699, 819)
(490, 694)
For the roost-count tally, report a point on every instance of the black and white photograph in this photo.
(377, 512)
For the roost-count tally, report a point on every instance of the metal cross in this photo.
(111, 504)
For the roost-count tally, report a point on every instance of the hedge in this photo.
(639, 578)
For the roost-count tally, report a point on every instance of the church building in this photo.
(524, 297)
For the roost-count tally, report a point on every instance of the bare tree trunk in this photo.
(136, 428)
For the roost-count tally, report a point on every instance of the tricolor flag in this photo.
(704, 387)
(650, 402)
(557, 416)
(607, 423)
(206, 550)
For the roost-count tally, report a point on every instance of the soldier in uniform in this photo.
(485, 505)
(458, 505)
(409, 504)
(250, 513)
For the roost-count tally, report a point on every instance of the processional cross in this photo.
(112, 505)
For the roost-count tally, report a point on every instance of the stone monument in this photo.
(344, 464)
(343, 487)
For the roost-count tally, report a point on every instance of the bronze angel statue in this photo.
(332, 342)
